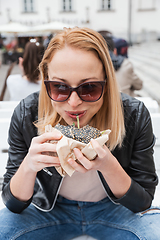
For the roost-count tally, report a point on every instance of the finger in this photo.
(51, 136)
(76, 166)
(82, 159)
(47, 136)
(44, 148)
(101, 152)
(47, 147)
(48, 160)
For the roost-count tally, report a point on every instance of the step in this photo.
(150, 83)
(146, 61)
(152, 47)
(153, 55)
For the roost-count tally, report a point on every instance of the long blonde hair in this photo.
(110, 116)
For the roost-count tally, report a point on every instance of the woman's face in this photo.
(74, 67)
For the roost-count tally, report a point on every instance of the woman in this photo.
(21, 85)
(109, 196)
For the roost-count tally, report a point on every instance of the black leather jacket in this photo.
(135, 156)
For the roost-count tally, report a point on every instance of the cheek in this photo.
(56, 106)
(98, 105)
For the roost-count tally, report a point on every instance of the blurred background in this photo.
(137, 22)
(132, 24)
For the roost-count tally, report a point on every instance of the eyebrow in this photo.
(81, 81)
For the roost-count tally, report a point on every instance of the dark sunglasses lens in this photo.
(57, 91)
(90, 92)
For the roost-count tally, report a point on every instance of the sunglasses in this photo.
(87, 92)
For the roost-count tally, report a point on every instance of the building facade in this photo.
(134, 20)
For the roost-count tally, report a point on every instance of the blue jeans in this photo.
(102, 220)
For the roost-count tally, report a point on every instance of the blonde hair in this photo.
(110, 116)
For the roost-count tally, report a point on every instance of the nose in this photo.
(74, 100)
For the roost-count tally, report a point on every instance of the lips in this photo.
(74, 115)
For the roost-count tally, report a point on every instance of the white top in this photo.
(20, 88)
(83, 187)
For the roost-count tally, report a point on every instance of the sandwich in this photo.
(76, 137)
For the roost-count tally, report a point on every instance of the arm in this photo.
(25, 160)
(34, 162)
(133, 188)
(141, 167)
(117, 179)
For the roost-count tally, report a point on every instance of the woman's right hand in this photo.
(41, 153)
(22, 183)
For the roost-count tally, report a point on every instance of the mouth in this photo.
(74, 115)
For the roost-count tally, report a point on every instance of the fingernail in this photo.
(60, 135)
(70, 161)
(92, 141)
(74, 149)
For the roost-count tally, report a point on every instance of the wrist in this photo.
(27, 169)
(109, 166)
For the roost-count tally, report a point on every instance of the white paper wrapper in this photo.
(65, 148)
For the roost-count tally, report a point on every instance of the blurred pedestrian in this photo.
(45, 41)
(127, 79)
(121, 46)
(1, 49)
(21, 85)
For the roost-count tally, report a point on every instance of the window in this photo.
(28, 5)
(67, 5)
(106, 4)
(145, 5)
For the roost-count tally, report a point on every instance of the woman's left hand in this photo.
(117, 179)
(103, 154)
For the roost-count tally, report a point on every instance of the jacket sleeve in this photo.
(17, 151)
(137, 150)
(12, 203)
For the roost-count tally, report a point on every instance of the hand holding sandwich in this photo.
(36, 159)
(117, 179)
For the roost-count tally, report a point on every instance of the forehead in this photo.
(71, 62)
(72, 52)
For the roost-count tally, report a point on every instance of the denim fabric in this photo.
(102, 220)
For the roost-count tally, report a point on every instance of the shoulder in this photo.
(14, 77)
(28, 107)
(13, 81)
(32, 99)
(132, 104)
(126, 68)
(24, 116)
(22, 128)
(127, 63)
(135, 112)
